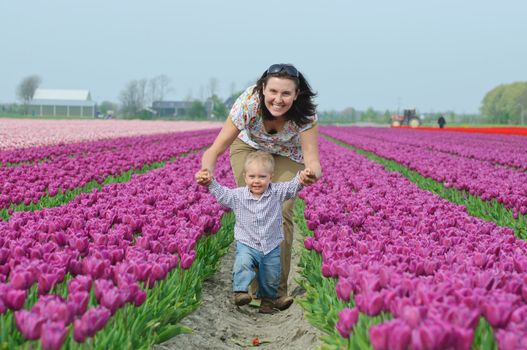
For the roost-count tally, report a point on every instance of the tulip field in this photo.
(413, 240)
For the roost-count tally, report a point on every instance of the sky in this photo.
(433, 55)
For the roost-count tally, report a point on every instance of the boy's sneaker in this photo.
(283, 303)
(242, 298)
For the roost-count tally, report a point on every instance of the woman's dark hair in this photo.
(302, 107)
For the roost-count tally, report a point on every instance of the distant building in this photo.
(177, 108)
(69, 103)
(171, 108)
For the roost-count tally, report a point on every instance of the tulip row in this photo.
(486, 210)
(404, 251)
(479, 178)
(105, 244)
(63, 151)
(25, 133)
(28, 183)
(505, 150)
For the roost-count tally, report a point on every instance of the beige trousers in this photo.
(285, 169)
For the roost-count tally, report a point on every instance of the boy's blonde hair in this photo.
(261, 157)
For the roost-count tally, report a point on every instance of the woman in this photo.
(278, 116)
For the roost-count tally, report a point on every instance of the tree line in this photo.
(504, 104)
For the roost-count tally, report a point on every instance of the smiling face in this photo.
(279, 95)
(257, 177)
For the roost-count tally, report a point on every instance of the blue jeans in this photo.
(268, 275)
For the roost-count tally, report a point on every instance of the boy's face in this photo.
(257, 177)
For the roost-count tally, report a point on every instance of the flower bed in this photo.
(479, 178)
(28, 183)
(64, 271)
(397, 249)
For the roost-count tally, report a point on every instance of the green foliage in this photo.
(346, 116)
(370, 115)
(505, 104)
(106, 106)
(197, 110)
(219, 110)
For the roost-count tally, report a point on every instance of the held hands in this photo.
(203, 177)
(307, 177)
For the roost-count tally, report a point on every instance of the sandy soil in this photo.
(219, 324)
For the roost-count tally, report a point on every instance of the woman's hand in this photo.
(307, 177)
(203, 177)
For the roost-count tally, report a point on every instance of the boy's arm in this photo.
(224, 195)
(289, 189)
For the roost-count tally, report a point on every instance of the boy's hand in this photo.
(307, 177)
(203, 177)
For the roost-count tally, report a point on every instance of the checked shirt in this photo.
(258, 220)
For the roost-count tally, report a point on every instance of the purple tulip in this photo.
(187, 260)
(3, 307)
(102, 286)
(112, 299)
(347, 320)
(463, 338)
(379, 336)
(497, 314)
(411, 315)
(46, 281)
(370, 303)
(308, 243)
(140, 298)
(15, 299)
(399, 337)
(94, 267)
(95, 319)
(21, 280)
(344, 289)
(79, 302)
(53, 335)
(79, 331)
(29, 324)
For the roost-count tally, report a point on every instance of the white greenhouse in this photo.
(64, 103)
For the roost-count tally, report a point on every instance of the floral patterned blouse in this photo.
(247, 117)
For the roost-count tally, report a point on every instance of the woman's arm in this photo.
(225, 138)
(309, 144)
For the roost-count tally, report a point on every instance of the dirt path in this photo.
(219, 324)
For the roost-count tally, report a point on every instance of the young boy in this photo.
(258, 228)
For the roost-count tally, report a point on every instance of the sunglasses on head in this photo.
(288, 68)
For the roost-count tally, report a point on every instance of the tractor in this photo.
(409, 118)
